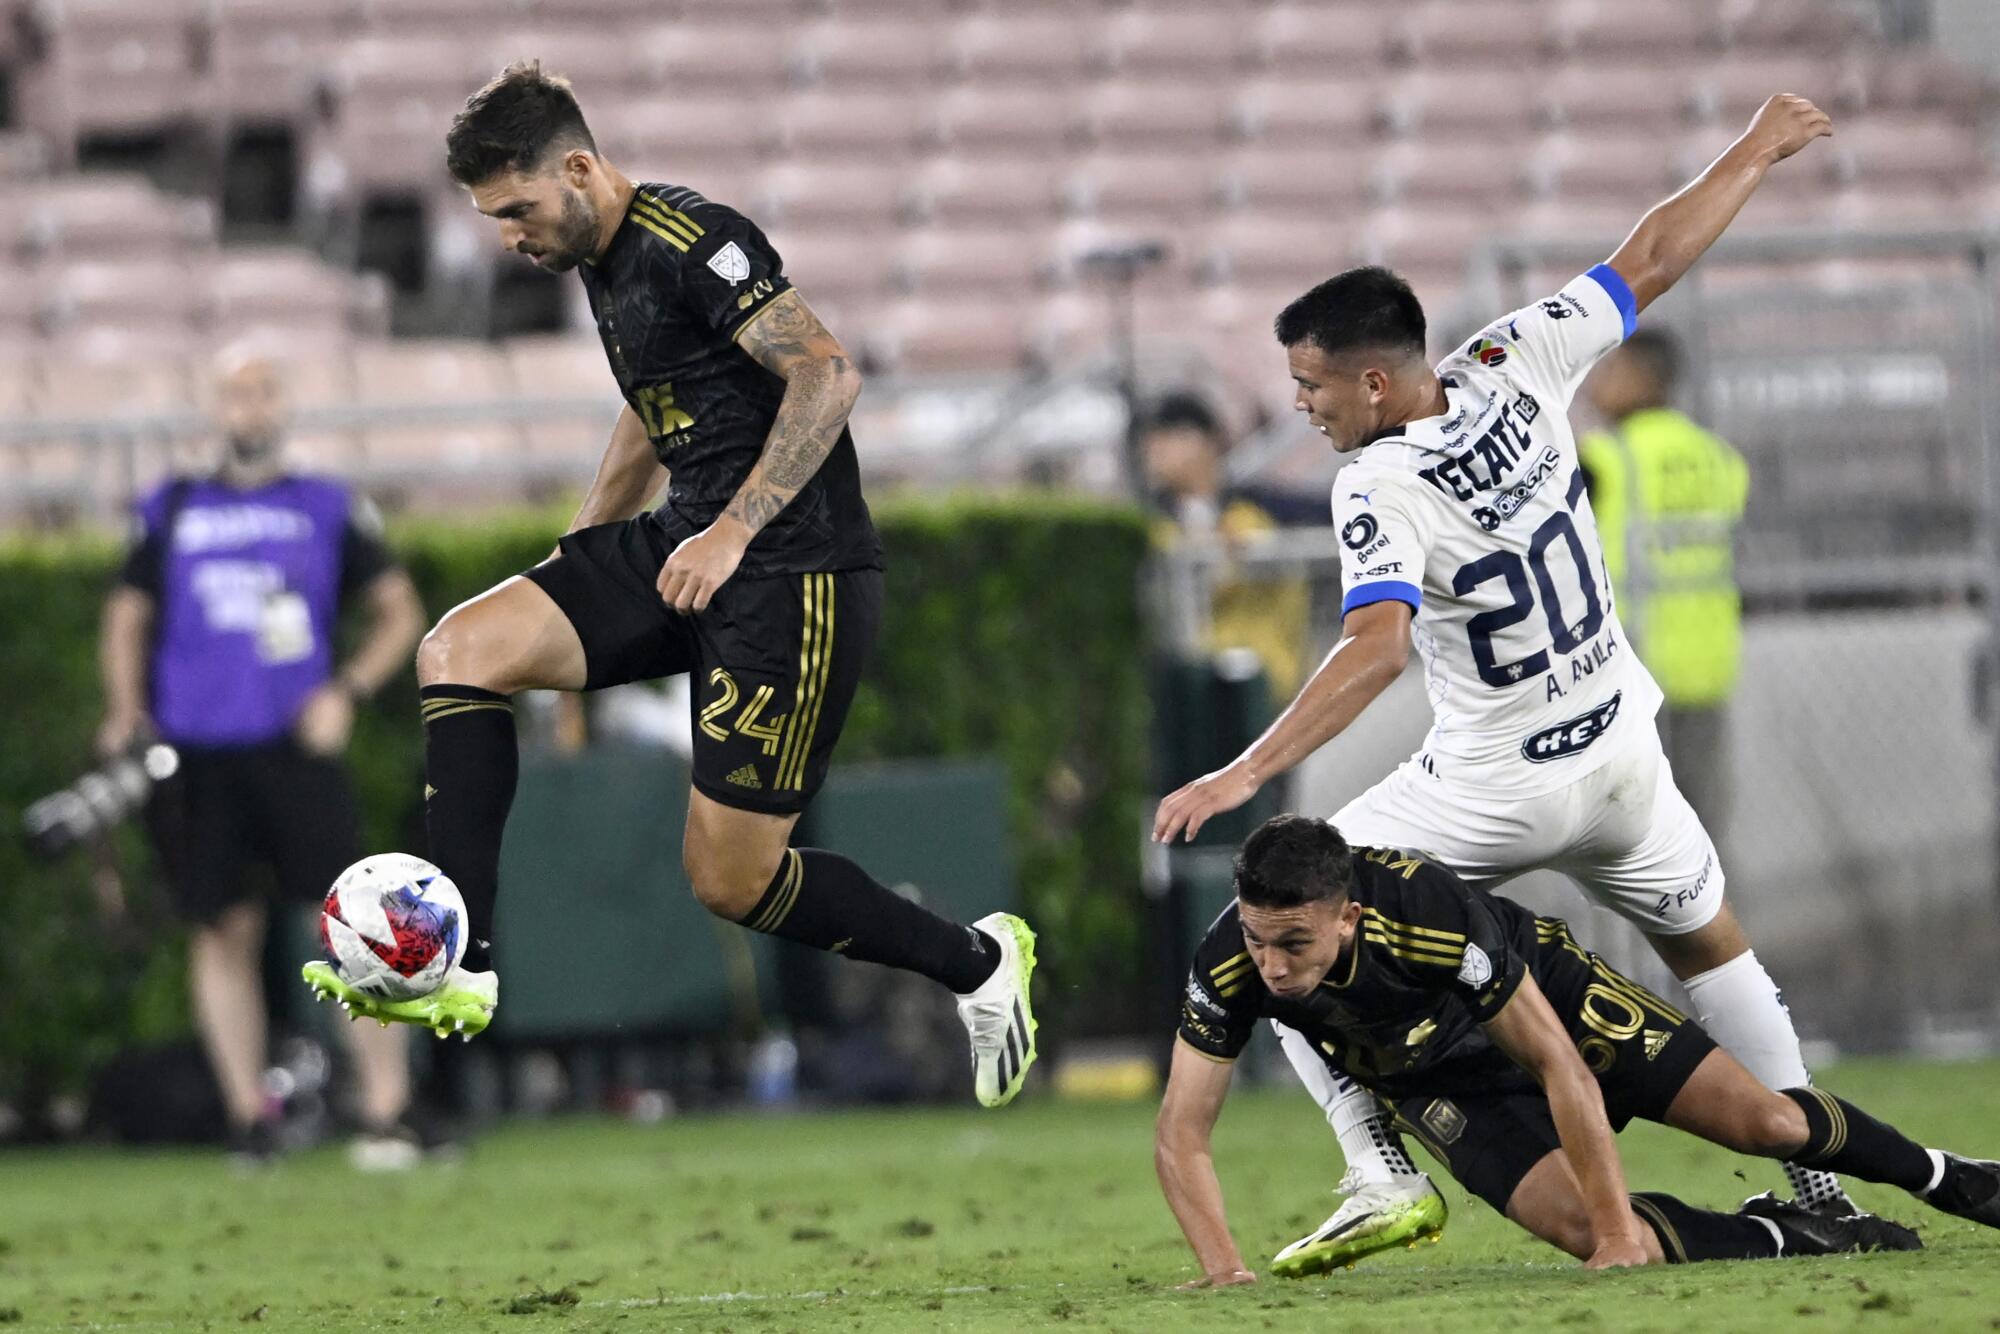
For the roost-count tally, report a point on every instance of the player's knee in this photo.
(1774, 1128)
(729, 887)
(462, 649)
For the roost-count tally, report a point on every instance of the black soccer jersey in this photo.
(680, 279)
(1401, 1009)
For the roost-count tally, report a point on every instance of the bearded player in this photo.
(1467, 533)
(760, 576)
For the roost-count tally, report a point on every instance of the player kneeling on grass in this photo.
(1511, 1053)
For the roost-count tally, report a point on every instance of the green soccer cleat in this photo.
(1376, 1216)
(462, 1004)
(999, 1014)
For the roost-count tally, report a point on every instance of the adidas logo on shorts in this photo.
(745, 777)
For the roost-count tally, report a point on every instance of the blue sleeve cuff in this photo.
(1387, 590)
(1620, 293)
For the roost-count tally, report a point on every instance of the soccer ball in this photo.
(393, 925)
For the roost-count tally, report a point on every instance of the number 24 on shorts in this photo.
(714, 714)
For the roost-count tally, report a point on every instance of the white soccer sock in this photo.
(1739, 1005)
(1373, 1148)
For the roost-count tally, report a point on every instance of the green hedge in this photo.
(1012, 629)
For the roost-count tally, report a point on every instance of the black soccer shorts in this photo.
(775, 659)
(1643, 1052)
(227, 812)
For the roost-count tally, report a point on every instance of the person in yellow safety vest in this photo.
(1668, 496)
(1183, 450)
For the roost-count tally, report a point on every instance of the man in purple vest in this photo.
(219, 640)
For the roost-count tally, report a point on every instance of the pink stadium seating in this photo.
(1326, 182)
(1005, 258)
(1441, 171)
(1732, 89)
(1641, 94)
(1057, 49)
(1307, 110)
(1500, 34)
(1169, 190)
(1595, 29)
(1923, 81)
(271, 57)
(728, 52)
(977, 120)
(1258, 251)
(1322, 41)
(1193, 44)
(906, 51)
(1886, 151)
(964, 334)
(1790, 26)
(816, 195)
(955, 190)
(1483, 103)
(852, 124)
(1613, 162)
(597, 68)
(838, 266)
(1167, 114)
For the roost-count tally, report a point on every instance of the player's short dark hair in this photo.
(1365, 307)
(513, 123)
(1183, 410)
(1660, 353)
(1292, 860)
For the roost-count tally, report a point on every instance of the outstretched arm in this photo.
(1526, 1028)
(1371, 654)
(821, 385)
(1670, 238)
(1196, 1087)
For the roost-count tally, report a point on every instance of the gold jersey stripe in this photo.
(652, 212)
(1837, 1138)
(825, 671)
(815, 666)
(1409, 929)
(808, 634)
(668, 213)
(1229, 972)
(1231, 962)
(659, 231)
(1415, 955)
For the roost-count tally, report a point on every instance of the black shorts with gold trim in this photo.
(1641, 1049)
(775, 659)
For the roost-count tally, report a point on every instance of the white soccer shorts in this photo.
(1624, 832)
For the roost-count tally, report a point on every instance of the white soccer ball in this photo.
(393, 925)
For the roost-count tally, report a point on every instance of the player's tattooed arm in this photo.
(821, 384)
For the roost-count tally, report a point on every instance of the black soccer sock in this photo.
(822, 899)
(1840, 1137)
(1688, 1235)
(471, 763)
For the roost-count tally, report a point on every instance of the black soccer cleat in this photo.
(1808, 1233)
(1970, 1189)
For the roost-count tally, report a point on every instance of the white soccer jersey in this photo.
(1477, 518)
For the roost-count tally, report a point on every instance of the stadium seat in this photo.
(431, 68)
(682, 134)
(1483, 103)
(855, 125)
(1012, 259)
(1191, 44)
(1327, 182)
(977, 119)
(271, 58)
(956, 189)
(1438, 170)
(1732, 89)
(1499, 35)
(1597, 29)
(596, 67)
(966, 334)
(111, 66)
(1252, 251)
(421, 373)
(1327, 43)
(1640, 94)
(1309, 111)
(838, 266)
(1162, 190)
(1049, 49)
(100, 377)
(147, 298)
(112, 215)
(881, 54)
(726, 53)
(1907, 80)
(1629, 163)
(1884, 151)
(1790, 26)
(291, 288)
(1171, 114)
(811, 195)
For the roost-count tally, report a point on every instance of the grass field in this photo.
(1042, 1215)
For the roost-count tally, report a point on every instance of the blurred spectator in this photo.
(219, 638)
(1668, 496)
(1184, 452)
